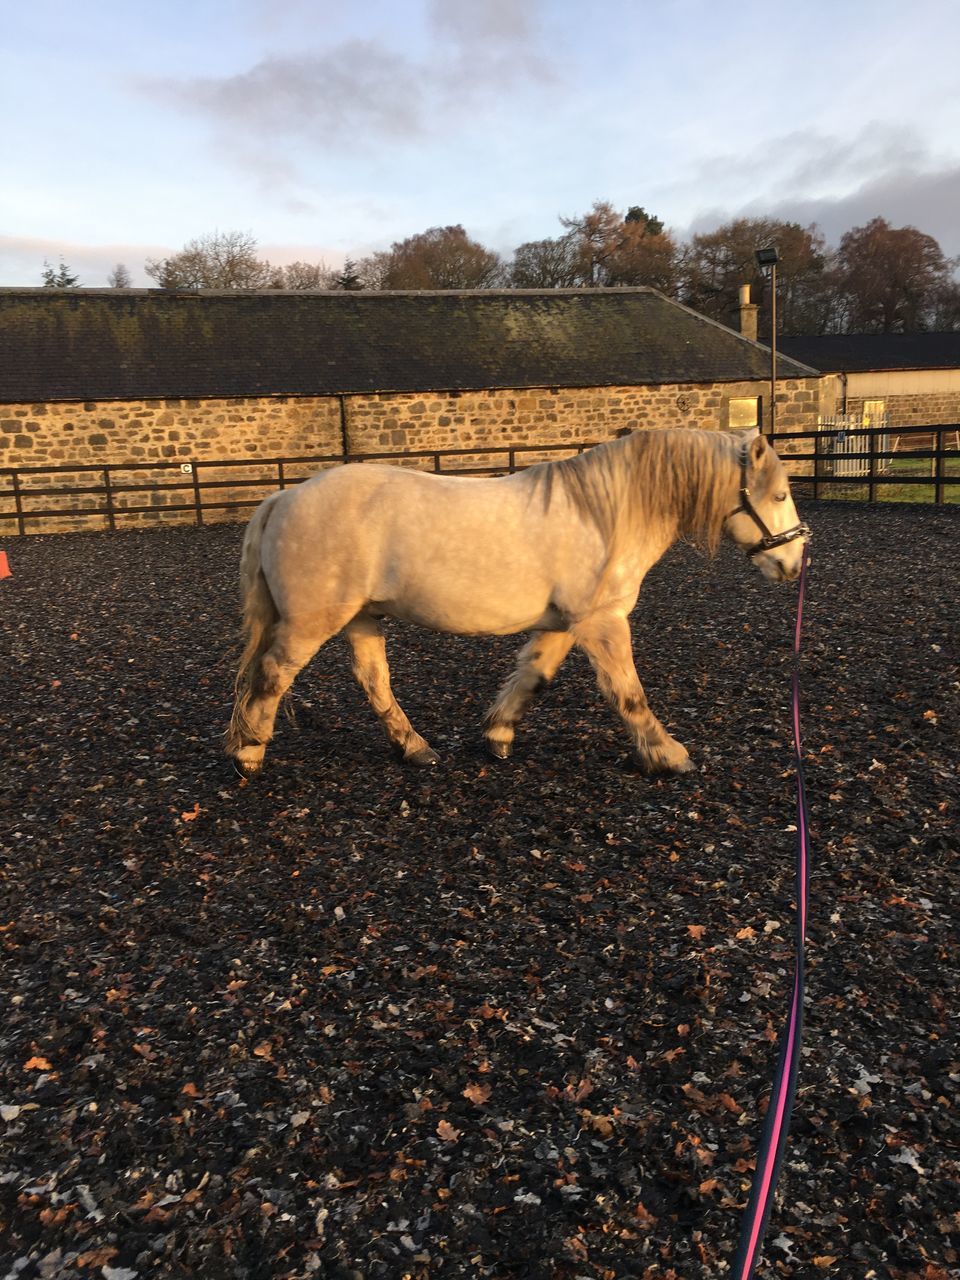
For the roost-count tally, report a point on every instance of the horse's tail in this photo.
(259, 618)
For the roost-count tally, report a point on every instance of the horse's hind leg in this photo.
(291, 648)
(373, 675)
(537, 664)
(605, 638)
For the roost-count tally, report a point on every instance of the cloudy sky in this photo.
(330, 129)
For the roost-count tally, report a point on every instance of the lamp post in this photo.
(769, 257)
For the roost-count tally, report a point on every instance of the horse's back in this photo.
(373, 500)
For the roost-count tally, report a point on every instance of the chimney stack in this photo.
(748, 314)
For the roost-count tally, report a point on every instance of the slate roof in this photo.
(89, 344)
(875, 352)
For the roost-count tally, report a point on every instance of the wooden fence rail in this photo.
(108, 487)
(882, 456)
(874, 458)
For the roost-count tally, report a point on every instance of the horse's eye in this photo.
(779, 497)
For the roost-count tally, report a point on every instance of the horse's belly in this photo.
(468, 618)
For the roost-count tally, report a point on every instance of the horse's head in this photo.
(765, 525)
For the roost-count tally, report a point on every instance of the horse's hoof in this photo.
(246, 772)
(423, 758)
(499, 750)
(663, 769)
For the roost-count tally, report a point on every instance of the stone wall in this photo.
(165, 430)
(166, 446)
(916, 410)
(457, 420)
(911, 397)
(159, 437)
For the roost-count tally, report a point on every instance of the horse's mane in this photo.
(674, 477)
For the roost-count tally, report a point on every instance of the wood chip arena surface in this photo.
(489, 1020)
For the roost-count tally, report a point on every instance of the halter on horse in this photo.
(769, 540)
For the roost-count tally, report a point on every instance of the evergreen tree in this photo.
(653, 226)
(62, 279)
(349, 278)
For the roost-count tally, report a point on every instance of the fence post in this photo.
(939, 462)
(108, 491)
(436, 463)
(18, 502)
(197, 499)
(872, 476)
(816, 464)
(511, 460)
(281, 479)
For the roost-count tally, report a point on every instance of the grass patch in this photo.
(911, 468)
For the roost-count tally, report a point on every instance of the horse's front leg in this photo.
(373, 675)
(605, 639)
(537, 664)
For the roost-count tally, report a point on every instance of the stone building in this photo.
(911, 378)
(112, 378)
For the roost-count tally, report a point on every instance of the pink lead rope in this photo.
(776, 1127)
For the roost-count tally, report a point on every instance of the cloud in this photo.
(361, 94)
(884, 171)
(495, 21)
(826, 162)
(494, 45)
(336, 97)
(905, 197)
(808, 161)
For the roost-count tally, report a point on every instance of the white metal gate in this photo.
(840, 446)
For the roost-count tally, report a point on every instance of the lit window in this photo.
(874, 412)
(744, 412)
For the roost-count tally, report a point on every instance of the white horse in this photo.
(559, 550)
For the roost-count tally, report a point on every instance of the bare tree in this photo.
(304, 275)
(946, 309)
(714, 265)
(119, 277)
(546, 264)
(222, 260)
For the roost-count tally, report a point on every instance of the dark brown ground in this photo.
(490, 1020)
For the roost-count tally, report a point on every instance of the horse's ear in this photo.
(757, 452)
